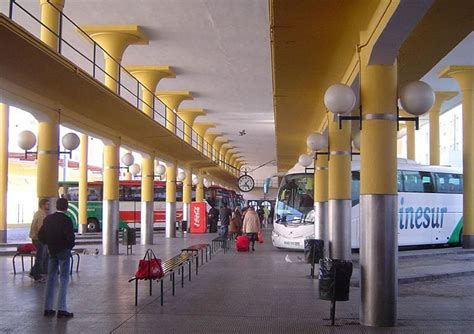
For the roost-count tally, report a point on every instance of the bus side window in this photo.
(355, 188)
(428, 184)
(412, 181)
(399, 181)
(448, 183)
(160, 194)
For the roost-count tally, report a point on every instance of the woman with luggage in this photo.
(251, 226)
(235, 225)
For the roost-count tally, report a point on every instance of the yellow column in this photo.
(114, 40)
(464, 75)
(148, 190)
(48, 130)
(83, 149)
(200, 188)
(339, 192)
(218, 143)
(201, 129)
(111, 172)
(189, 115)
(50, 12)
(47, 165)
(172, 99)
(4, 122)
(187, 194)
(149, 77)
(378, 194)
(434, 125)
(210, 137)
(223, 152)
(411, 148)
(170, 227)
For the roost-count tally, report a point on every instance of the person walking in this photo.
(213, 217)
(225, 215)
(235, 225)
(57, 233)
(251, 226)
(266, 214)
(40, 268)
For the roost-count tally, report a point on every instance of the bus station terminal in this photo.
(244, 166)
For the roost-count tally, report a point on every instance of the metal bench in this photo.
(169, 268)
(220, 242)
(203, 248)
(32, 255)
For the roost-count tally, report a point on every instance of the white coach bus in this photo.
(429, 206)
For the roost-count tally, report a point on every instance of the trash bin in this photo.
(184, 225)
(129, 237)
(313, 250)
(334, 279)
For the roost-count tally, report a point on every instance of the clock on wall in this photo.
(246, 183)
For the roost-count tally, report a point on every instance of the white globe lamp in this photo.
(417, 98)
(26, 140)
(316, 141)
(160, 170)
(128, 159)
(195, 180)
(135, 169)
(207, 183)
(339, 99)
(305, 160)
(181, 176)
(70, 141)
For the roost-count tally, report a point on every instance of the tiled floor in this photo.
(256, 292)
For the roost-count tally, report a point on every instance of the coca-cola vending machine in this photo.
(198, 217)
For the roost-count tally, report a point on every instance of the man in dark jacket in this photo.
(213, 218)
(57, 233)
(225, 214)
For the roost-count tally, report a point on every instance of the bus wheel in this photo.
(92, 225)
(460, 237)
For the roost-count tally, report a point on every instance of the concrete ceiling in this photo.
(219, 50)
(313, 46)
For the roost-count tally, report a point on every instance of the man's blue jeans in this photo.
(41, 260)
(59, 261)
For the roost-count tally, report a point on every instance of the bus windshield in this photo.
(295, 203)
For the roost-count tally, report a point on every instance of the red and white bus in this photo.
(130, 202)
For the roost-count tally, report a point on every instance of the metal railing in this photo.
(128, 87)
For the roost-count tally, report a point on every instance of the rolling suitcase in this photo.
(242, 243)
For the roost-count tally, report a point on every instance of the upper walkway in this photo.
(258, 292)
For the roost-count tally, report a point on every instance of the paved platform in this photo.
(258, 292)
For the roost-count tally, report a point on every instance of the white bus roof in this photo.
(403, 164)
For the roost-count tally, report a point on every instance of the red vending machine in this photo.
(198, 217)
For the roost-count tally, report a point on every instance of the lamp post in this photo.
(378, 198)
(315, 143)
(27, 140)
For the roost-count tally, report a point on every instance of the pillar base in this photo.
(170, 226)
(82, 228)
(110, 224)
(379, 260)
(339, 229)
(146, 224)
(320, 223)
(187, 213)
(3, 236)
(468, 241)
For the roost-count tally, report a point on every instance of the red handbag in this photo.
(149, 267)
(260, 237)
(26, 248)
